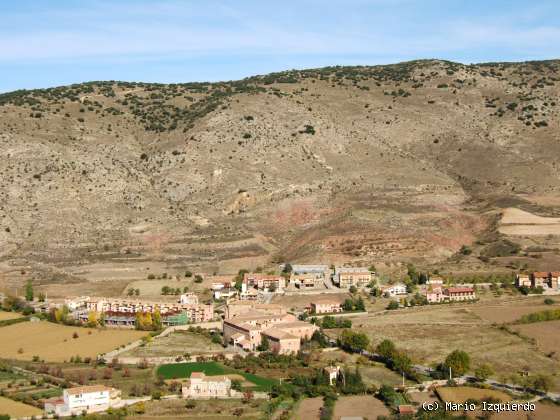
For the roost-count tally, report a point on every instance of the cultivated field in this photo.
(309, 408)
(16, 409)
(461, 394)
(360, 405)
(9, 315)
(55, 343)
(174, 344)
(519, 222)
(510, 311)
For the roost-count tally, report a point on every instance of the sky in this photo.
(58, 42)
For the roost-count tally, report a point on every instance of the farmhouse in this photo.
(91, 399)
(352, 276)
(449, 294)
(326, 306)
(459, 293)
(263, 282)
(283, 331)
(200, 386)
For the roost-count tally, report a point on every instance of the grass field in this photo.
(461, 394)
(545, 333)
(55, 343)
(180, 342)
(9, 315)
(184, 370)
(16, 409)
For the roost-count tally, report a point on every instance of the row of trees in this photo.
(147, 321)
(329, 322)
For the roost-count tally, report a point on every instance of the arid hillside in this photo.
(387, 164)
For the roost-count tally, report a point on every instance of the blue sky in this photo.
(55, 42)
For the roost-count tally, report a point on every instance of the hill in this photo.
(108, 181)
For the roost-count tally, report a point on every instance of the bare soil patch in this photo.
(360, 405)
(546, 334)
(309, 408)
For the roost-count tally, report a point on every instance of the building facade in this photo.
(284, 332)
(201, 386)
(345, 277)
(91, 399)
(325, 307)
(263, 282)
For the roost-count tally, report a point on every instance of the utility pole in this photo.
(450, 376)
(403, 379)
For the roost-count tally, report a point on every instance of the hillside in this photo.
(385, 164)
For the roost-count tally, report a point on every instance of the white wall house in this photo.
(396, 290)
(92, 399)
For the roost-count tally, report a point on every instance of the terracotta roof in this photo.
(555, 273)
(540, 274)
(406, 409)
(87, 389)
(197, 375)
(460, 290)
(279, 334)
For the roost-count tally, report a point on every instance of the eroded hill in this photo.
(377, 164)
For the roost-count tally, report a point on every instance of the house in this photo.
(307, 280)
(395, 290)
(435, 281)
(544, 279)
(263, 282)
(326, 306)
(332, 373)
(283, 331)
(91, 399)
(435, 295)
(345, 277)
(309, 275)
(523, 280)
(188, 299)
(459, 293)
(226, 293)
(200, 386)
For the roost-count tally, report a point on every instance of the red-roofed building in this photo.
(459, 293)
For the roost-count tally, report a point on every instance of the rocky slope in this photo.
(360, 164)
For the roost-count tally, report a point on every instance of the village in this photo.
(318, 319)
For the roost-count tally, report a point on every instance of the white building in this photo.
(332, 372)
(91, 399)
(188, 299)
(395, 290)
(201, 386)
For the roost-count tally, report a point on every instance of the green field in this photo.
(184, 370)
